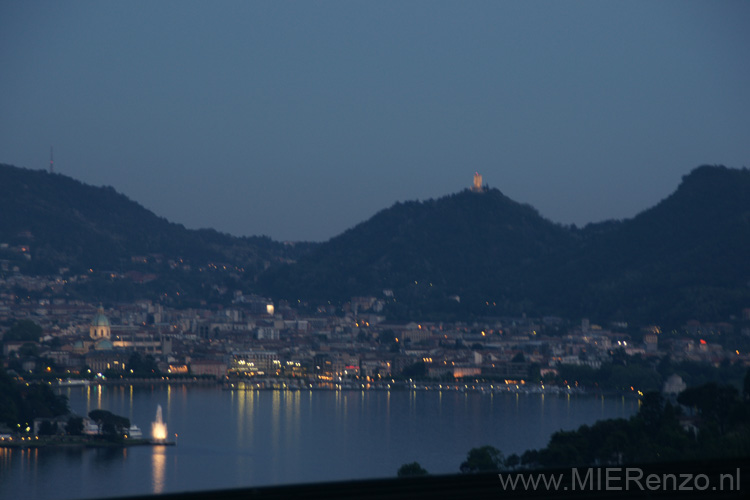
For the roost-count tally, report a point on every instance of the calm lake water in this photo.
(233, 439)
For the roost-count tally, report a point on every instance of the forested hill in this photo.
(685, 257)
(479, 246)
(463, 255)
(66, 223)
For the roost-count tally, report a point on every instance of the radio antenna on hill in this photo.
(51, 160)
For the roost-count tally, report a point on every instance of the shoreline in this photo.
(295, 385)
(23, 443)
(135, 381)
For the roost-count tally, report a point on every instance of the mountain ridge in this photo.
(682, 255)
(65, 223)
(461, 255)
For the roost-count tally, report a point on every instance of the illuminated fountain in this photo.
(158, 427)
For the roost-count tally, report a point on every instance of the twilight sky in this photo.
(300, 119)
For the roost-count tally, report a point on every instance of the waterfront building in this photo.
(255, 363)
(216, 368)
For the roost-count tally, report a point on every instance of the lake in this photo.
(232, 439)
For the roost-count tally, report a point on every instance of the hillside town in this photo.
(270, 343)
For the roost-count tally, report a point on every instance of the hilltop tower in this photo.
(477, 187)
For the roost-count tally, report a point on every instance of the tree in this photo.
(40, 401)
(22, 403)
(24, 329)
(512, 462)
(530, 459)
(483, 459)
(714, 403)
(411, 470)
(652, 410)
(415, 370)
(9, 400)
(518, 358)
(74, 426)
(112, 426)
(28, 350)
(142, 365)
(47, 428)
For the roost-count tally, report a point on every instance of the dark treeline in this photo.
(706, 422)
(21, 403)
(625, 372)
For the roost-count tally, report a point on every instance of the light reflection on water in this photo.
(159, 459)
(230, 439)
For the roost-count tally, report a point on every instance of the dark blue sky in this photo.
(299, 120)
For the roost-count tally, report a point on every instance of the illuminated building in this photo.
(100, 328)
(255, 363)
(477, 187)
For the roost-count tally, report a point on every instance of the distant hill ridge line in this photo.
(462, 254)
(10, 173)
(683, 256)
(80, 226)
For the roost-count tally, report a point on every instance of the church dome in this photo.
(104, 345)
(100, 319)
(100, 327)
